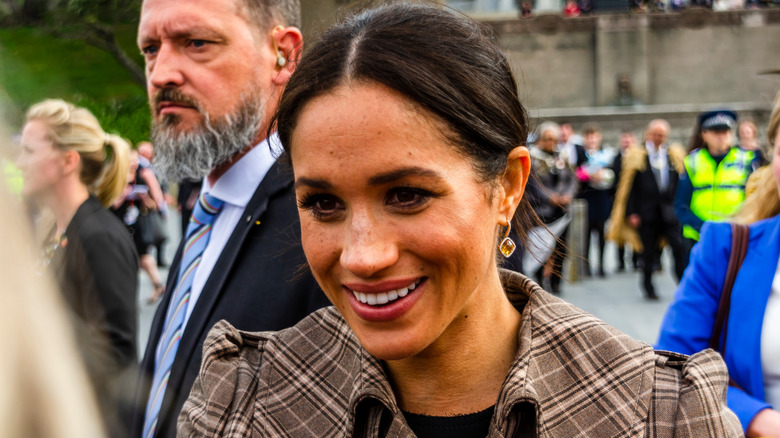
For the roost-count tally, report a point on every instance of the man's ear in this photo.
(518, 168)
(287, 44)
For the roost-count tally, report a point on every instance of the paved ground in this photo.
(617, 299)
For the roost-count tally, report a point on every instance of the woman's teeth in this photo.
(384, 297)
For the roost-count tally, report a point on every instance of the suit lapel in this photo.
(147, 363)
(275, 180)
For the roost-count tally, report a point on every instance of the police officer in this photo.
(712, 186)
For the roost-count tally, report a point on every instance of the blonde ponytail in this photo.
(763, 199)
(114, 176)
(104, 158)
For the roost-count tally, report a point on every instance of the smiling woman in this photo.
(406, 138)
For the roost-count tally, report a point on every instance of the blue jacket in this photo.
(687, 325)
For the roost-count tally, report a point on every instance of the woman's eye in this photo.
(408, 197)
(321, 206)
(325, 204)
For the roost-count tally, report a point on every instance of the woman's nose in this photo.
(367, 248)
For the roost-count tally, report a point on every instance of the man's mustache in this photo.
(173, 95)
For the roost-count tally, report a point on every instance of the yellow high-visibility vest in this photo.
(718, 189)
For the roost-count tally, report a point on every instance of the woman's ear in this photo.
(518, 167)
(71, 162)
(287, 43)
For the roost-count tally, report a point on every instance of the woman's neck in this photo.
(65, 201)
(463, 371)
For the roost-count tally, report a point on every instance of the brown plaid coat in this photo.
(574, 376)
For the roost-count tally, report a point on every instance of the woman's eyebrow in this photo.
(313, 183)
(378, 180)
(395, 175)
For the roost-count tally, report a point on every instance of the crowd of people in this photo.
(350, 213)
(578, 8)
(650, 195)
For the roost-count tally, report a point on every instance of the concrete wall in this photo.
(317, 15)
(673, 65)
(697, 56)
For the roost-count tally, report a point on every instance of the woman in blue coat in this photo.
(752, 351)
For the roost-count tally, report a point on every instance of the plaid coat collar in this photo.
(556, 371)
(573, 375)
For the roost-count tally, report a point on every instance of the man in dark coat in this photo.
(215, 70)
(650, 206)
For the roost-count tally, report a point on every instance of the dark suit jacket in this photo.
(650, 203)
(96, 269)
(257, 284)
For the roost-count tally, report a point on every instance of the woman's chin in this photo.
(390, 347)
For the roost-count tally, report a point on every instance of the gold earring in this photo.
(507, 245)
(281, 61)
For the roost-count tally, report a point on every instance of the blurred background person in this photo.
(627, 140)
(747, 135)
(158, 190)
(596, 173)
(74, 169)
(651, 174)
(712, 187)
(571, 9)
(550, 193)
(570, 144)
(44, 388)
(752, 352)
(137, 208)
(186, 197)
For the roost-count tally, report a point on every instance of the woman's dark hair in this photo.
(697, 141)
(443, 61)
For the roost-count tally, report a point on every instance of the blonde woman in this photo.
(44, 391)
(74, 169)
(752, 354)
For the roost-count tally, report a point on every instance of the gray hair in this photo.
(548, 126)
(194, 154)
(268, 13)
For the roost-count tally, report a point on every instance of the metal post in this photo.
(577, 233)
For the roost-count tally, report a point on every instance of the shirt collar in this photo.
(650, 146)
(237, 185)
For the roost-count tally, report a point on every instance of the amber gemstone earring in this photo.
(507, 246)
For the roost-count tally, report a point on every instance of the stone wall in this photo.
(622, 70)
(696, 56)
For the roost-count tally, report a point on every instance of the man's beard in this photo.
(193, 154)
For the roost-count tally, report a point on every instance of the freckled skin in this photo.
(450, 241)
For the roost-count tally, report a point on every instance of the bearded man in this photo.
(215, 71)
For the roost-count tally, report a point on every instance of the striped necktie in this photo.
(198, 233)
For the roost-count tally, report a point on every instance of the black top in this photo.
(474, 425)
(96, 268)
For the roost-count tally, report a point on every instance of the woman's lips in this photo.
(384, 303)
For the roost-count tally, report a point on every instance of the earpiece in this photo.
(281, 61)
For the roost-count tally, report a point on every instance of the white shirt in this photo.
(236, 187)
(770, 347)
(659, 163)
